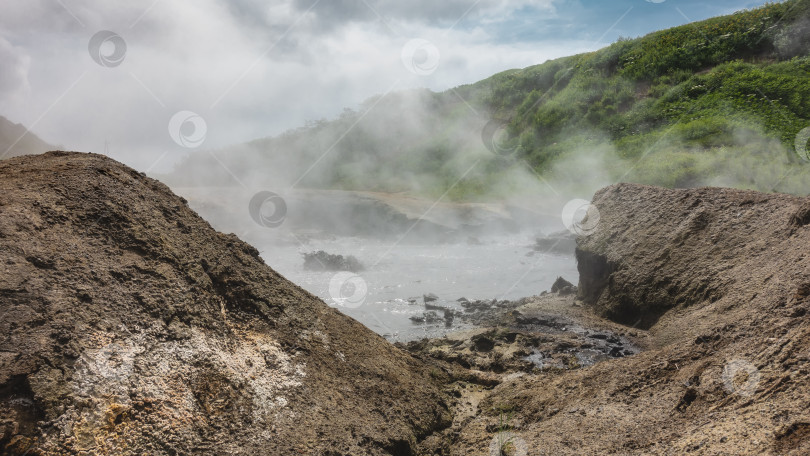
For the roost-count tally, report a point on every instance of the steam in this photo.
(752, 160)
(409, 155)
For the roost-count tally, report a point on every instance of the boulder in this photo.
(561, 284)
(129, 327)
(322, 261)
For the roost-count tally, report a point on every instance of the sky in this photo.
(150, 81)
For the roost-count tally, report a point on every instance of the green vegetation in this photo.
(697, 97)
(718, 102)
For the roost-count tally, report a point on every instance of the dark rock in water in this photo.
(322, 261)
(449, 316)
(430, 297)
(476, 306)
(432, 317)
(427, 317)
(559, 284)
(462, 300)
(438, 307)
(559, 242)
(412, 300)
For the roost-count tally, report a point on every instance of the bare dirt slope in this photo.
(717, 283)
(129, 326)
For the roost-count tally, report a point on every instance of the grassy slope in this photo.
(714, 102)
(686, 94)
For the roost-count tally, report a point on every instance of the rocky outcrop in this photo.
(322, 261)
(721, 279)
(562, 286)
(128, 326)
(658, 249)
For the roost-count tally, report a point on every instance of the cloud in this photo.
(14, 76)
(337, 12)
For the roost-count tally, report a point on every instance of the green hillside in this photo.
(718, 102)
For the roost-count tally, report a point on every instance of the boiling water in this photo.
(494, 268)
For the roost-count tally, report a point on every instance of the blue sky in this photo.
(254, 68)
(603, 21)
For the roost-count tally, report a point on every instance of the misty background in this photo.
(255, 69)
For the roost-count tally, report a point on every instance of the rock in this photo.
(432, 317)
(427, 317)
(483, 343)
(430, 297)
(567, 290)
(449, 316)
(476, 306)
(563, 242)
(561, 284)
(138, 329)
(322, 261)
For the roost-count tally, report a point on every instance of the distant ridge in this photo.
(17, 140)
